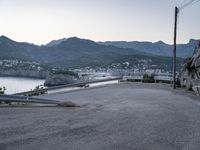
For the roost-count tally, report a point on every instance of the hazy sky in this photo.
(40, 21)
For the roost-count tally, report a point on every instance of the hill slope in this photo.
(72, 52)
(157, 48)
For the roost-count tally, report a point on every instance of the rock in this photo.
(68, 104)
(59, 79)
(190, 74)
(196, 89)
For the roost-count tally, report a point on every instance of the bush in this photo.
(65, 72)
(148, 78)
(2, 90)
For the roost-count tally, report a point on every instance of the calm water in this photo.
(15, 84)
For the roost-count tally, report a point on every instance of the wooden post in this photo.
(174, 51)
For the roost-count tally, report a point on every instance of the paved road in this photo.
(116, 117)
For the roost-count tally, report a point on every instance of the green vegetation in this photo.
(2, 90)
(148, 78)
(80, 53)
(150, 61)
(64, 72)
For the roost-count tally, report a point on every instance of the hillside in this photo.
(74, 53)
(157, 48)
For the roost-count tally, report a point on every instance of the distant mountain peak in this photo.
(64, 40)
(74, 38)
(159, 42)
(55, 42)
(193, 41)
(5, 38)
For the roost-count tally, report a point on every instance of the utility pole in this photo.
(174, 51)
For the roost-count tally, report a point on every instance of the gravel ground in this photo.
(127, 116)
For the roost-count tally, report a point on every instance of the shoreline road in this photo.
(127, 116)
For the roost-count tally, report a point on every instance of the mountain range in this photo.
(157, 48)
(75, 52)
(72, 52)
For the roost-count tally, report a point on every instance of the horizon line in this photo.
(98, 41)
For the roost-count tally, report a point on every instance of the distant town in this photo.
(21, 68)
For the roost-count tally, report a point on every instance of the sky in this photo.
(40, 21)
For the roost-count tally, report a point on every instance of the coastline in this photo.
(19, 76)
(19, 84)
(24, 74)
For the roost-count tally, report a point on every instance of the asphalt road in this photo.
(115, 117)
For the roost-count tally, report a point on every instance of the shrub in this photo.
(65, 72)
(2, 90)
(148, 78)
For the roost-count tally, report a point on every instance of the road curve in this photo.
(115, 117)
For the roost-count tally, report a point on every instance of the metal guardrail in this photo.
(80, 84)
(18, 98)
(24, 99)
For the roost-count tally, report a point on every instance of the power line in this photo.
(177, 10)
(182, 2)
(187, 4)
